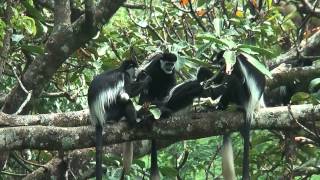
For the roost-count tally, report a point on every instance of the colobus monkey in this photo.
(182, 95)
(162, 72)
(245, 86)
(109, 100)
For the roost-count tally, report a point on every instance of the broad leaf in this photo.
(256, 63)
(314, 85)
(261, 51)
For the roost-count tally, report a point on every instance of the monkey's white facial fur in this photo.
(167, 67)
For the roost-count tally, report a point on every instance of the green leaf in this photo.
(140, 163)
(230, 58)
(314, 85)
(300, 97)
(212, 38)
(256, 63)
(169, 171)
(143, 24)
(33, 11)
(218, 23)
(33, 49)
(29, 25)
(101, 51)
(259, 50)
(202, 2)
(202, 49)
(155, 112)
(17, 37)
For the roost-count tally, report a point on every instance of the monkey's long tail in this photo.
(227, 159)
(98, 152)
(127, 156)
(154, 170)
(246, 146)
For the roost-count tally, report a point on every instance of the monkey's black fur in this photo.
(161, 70)
(244, 87)
(161, 82)
(109, 100)
(182, 95)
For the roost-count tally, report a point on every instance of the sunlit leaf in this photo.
(261, 51)
(218, 23)
(314, 85)
(300, 97)
(29, 25)
(155, 112)
(17, 37)
(256, 63)
(212, 38)
(230, 60)
(143, 24)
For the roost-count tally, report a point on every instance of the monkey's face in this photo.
(132, 73)
(167, 67)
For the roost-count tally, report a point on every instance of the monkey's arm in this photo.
(136, 87)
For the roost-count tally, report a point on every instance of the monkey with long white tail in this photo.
(244, 86)
(109, 101)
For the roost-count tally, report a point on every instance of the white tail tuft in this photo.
(227, 159)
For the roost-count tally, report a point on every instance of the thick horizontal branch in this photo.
(289, 76)
(68, 119)
(308, 47)
(198, 125)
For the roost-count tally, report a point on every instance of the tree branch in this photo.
(199, 125)
(59, 46)
(308, 47)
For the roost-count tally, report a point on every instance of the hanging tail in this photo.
(127, 155)
(255, 82)
(98, 152)
(227, 159)
(154, 172)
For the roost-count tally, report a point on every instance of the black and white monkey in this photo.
(245, 85)
(109, 101)
(182, 95)
(161, 69)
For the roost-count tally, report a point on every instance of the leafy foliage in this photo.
(193, 29)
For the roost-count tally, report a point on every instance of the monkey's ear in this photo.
(218, 58)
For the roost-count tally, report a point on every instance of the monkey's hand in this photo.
(143, 76)
(146, 105)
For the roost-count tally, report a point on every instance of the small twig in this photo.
(211, 161)
(193, 13)
(311, 9)
(15, 155)
(149, 27)
(12, 174)
(29, 93)
(134, 6)
(19, 81)
(114, 49)
(302, 126)
(184, 160)
(19, 160)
